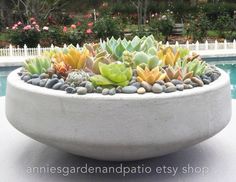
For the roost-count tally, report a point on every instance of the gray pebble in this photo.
(157, 88)
(161, 82)
(129, 89)
(206, 81)
(89, 86)
(35, 81)
(83, 83)
(35, 76)
(29, 81)
(198, 81)
(81, 90)
(131, 82)
(176, 82)
(112, 91)
(105, 91)
(180, 87)
(169, 84)
(118, 89)
(43, 76)
(26, 78)
(51, 82)
(188, 86)
(147, 86)
(70, 90)
(64, 86)
(187, 81)
(136, 84)
(170, 89)
(57, 86)
(43, 82)
(99, 89)
(54, 76)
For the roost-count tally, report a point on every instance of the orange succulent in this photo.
(150, 76)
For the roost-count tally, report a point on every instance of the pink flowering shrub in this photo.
(20, 34)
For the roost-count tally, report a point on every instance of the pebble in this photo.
(64, 86)
(54, 76)
(164, 88)
(131, 82)
(35, 76)
(119, 89)
(157, 88)
(214, 76)
(129, 89)
(89, 86)
(57, 86)
(83, 83)
(35, 81)
(43, 82)
(176, 82)
(112, 91)
(141, 90)
(187, 81)
(43, 76)
(194, 84)
(30, 81)
(51, 82)
(70, 90)
(198, 81)
(180, 87)
(146, 85)
(105, 91)
(206, 81)
(81, 90)
(188, 86)
(99, 89)
(136, 84)
(161, 82)
(169, 84)
(26, 78)
(170, 89)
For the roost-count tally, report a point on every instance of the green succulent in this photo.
(198, 67)
(142, 59)
(74, 78)
(37, 65)
(128, 58)
(112, 74)
(116, 47)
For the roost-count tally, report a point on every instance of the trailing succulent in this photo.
(118, 65)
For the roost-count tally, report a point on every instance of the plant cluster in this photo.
(119, 65)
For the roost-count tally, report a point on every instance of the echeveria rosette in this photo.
(112, 74)
(37, 65)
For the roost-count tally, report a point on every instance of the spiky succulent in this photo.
(177, 73)
(168, 56)
(37, 65)
(74, 78)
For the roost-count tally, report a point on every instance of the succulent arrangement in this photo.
(115, 66)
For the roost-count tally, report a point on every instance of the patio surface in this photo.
(213, 160)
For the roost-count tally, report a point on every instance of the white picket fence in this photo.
(26, 52)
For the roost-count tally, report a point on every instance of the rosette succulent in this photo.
(74, 58)
(74, 78)
(37, 65)
(112, 74)
(150, 76)
(168, 56)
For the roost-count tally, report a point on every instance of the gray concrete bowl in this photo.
(120, 127)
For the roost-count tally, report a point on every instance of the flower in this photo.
(32, 19)
(73, 26)
(7, 28)
(27, 27)
(90, 24)
(45, 28)
(78, 23)
(89, 31)
(64, 29)
(19, 23)
(89, 15)
(34, 23)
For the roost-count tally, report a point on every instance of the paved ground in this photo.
(211, 161)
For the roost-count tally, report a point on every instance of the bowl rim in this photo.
(14, 80)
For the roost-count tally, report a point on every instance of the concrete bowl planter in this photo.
(119, 127)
